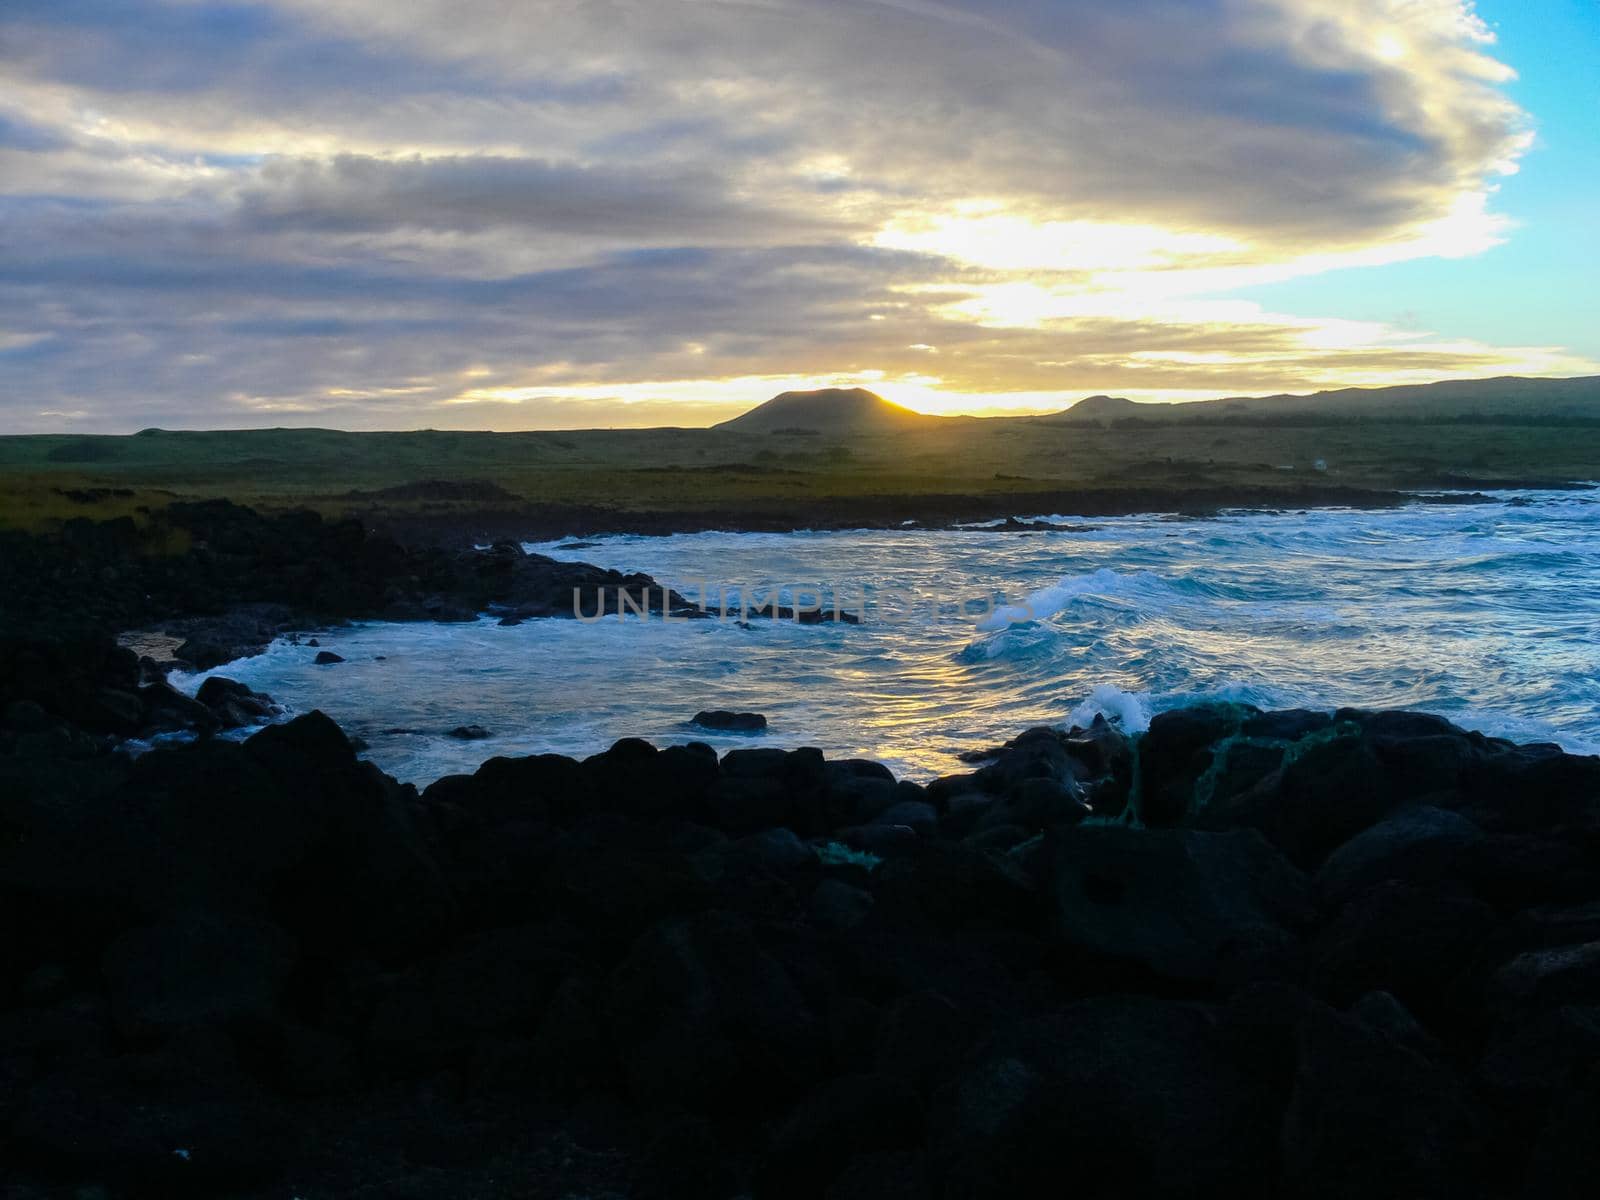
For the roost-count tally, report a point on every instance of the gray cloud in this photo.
(673, 205)
(352, 208)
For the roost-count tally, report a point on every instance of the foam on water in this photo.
(1488, 613)
(1048, 601)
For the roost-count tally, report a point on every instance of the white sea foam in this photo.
(1048, 601)
(1131, 710)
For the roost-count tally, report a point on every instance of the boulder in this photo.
(1542, 1053)
(1566, 1155)
(166, 708)
(922, 1038)
(1173, 754)
(1557, 925)
(154, 1124)
(1039, 753)
(849, 1115)
(704, 1019)
(685, 1160)
(858, 798)
(1371, 1116)
(1102, 749)
(635, 779)
(836, 905)
(1034, 805)
(541, 787)
(883, 1175)
(197, 969)
(1515, 871)
(1137, 1095)
(1318, 801)
(503, 979)
(950, 886)
(1547, 977)
(1419, 944)
(730, 722)
(1533, 789)
(884, 841)
(234, 705)
(1185, 904)
(1418, 845)
(916, 815)
(778, 851)
(326, 658)
(745, 803)
(1285, 725)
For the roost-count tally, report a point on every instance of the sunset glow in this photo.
(369, 215)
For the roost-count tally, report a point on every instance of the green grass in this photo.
(675, 470)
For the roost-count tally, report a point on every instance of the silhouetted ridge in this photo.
(827, 410)
(1507, 399)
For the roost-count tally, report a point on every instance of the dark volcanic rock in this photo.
(1186, 905)
(1420, 944)
(705, 1019)
(166, 708)
(155, 1123)
(849, 1115)
(738, 722)
(197, 969)
(1318, 801)
(1138, 1095)
(326, 658)
(1550, 976)
(234, 705)
(1415, 845)
(953, 885)
(655, 973)
(1370, 1115)
(1173, 754)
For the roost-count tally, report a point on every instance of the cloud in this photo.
(466, 194)
(376, 214)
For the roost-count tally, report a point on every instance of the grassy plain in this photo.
(995, 463)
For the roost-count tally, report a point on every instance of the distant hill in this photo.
(828, 411)
(1103, 408)
(1509, 397)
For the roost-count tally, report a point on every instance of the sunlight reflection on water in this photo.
(1487, 613)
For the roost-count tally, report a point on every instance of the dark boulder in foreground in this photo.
(732, 722)
(1249, 954)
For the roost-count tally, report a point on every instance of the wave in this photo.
(1134, 710)
(1131, 710)
(1048, 601)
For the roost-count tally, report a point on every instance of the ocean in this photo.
(1488, 613)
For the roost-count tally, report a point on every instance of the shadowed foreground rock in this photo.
(1246, 954)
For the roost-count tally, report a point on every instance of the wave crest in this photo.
(1048, 601)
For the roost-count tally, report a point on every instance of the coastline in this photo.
(549, 522)
(1292, 953)
(225, 579)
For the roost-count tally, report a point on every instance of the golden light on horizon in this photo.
(984, 234)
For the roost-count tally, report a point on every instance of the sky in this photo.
(513, 214)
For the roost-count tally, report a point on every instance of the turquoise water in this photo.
(1489, 613)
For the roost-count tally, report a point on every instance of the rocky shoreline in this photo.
(934, 511)
(1295, 954)
(199, 585)
(1245, 953)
